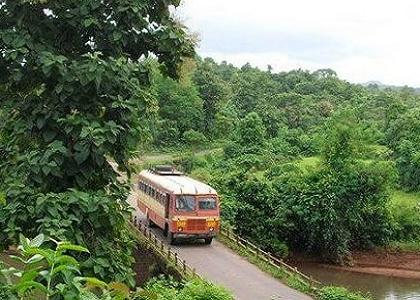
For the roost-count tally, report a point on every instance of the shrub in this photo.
(405, 210)
(194, 138)
(193, 290)
(339, 293)
(96, 220)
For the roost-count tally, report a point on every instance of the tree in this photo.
(251, 131)
(403, 136)
(226, 121)
(341, 140)
(75, 82)
(194, 138)
(180, 108)
(212, 90)
(330, 208)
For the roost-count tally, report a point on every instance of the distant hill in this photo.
(379, 85)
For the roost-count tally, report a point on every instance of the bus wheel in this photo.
(171, 239)
(150, 222)
(208, 240)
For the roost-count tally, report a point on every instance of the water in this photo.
(379, 287)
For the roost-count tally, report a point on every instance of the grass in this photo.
(405, 246)
(144, 161)
(405, 211)
(409, 199)
(308, 163)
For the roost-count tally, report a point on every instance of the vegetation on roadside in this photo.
(53, 273)
(339, 293)
(302, 151)
(306, 161)
(76, 90)
(294, 280)
(291, 279)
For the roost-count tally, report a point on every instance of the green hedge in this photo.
(339, 293)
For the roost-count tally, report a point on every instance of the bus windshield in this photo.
(185, 203)
(207, 203)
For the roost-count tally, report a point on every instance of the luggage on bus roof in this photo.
(166, 170)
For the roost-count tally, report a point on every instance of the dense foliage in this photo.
(53, 273)
(337, 293)
(75, 87)
(309, 161)
(306, 161)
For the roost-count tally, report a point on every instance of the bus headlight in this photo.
(181, 224)
(211, 224)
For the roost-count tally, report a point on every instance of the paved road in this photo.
(222, 266)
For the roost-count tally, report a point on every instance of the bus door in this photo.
(167, 202)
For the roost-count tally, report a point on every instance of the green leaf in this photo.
(82, 155)
(29, 275)
(67, 260)
(37, 241)
(27, 285)
(48, 254)
(63, 268)
(35, 259)
(49, 135)
(24, 242)
(92, 282)
(63, 246)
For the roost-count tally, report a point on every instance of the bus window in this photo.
(207, 203)
(185, 203)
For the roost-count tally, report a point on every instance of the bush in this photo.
(96, 220)
(194, 138)
(201, 174)
(405, 210)
(193, 290)
(339, 293)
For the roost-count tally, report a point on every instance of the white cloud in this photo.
(361, 39)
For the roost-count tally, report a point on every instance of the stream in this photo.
(378, 286)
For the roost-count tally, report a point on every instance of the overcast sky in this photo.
(362, 40)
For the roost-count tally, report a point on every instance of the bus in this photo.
(181, 206)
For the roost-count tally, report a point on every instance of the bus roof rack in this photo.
(166, 170)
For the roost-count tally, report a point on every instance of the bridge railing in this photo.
(266, 256)
(186, 271)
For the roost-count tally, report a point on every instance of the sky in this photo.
(362, 40)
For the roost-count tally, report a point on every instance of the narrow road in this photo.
(222, 266)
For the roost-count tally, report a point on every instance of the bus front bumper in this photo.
(187, 235)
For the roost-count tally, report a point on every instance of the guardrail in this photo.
(164, 251)
(266, 256)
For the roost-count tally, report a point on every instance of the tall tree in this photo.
(75, 79)
(212, 90)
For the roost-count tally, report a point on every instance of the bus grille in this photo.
(196, 224)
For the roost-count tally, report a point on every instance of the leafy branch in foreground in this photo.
(75, 87)
(45, 273)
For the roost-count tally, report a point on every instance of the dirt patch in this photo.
(379, 262)
(388, 259)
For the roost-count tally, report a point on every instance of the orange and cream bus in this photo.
(181, 206)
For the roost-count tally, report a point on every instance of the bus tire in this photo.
(171, 239)
(166, 230)
(208, 240)
(149, 222)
